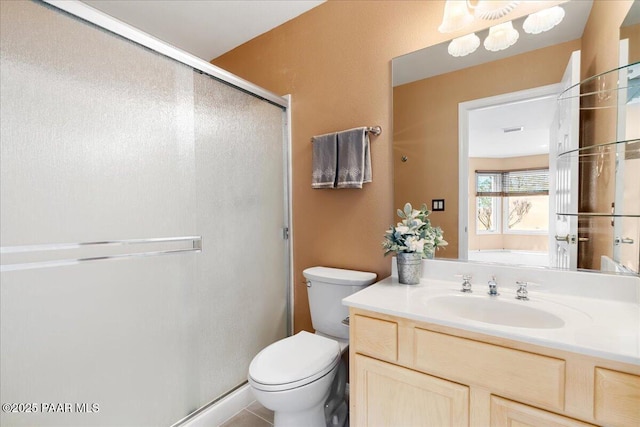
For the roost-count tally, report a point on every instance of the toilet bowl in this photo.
(292, 377)
(302, 378)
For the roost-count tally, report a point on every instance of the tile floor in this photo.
(254, 415)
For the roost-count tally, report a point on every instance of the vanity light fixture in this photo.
(543, 20)
(464, 45)
(460, 13)
(501, 36)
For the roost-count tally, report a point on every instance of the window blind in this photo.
(513, 183)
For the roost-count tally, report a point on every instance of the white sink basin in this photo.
(495, 310)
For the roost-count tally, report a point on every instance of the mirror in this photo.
(430, 89)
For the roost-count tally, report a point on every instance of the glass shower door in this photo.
(141, 210)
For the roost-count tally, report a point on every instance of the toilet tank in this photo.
(326, 287)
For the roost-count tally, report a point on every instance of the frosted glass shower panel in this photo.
(240, 211)
(109, 143)
(96, 142)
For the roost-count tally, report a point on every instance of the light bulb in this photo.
(463, 46)
(543, 20)
(501, 36)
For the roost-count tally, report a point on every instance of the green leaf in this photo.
(400, 213)
(408, 209)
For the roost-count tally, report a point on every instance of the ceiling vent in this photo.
(513, 129)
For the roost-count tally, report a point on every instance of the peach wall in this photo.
(601, 36)
(527, 242)
(426, 125)
(632, 32)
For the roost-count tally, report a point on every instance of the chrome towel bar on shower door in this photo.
(5, 251)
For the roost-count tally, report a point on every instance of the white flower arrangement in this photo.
(414, 233)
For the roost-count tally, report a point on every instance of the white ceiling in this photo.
(487, 138)
(204, 28)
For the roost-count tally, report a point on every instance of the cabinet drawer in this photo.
(375, 337)
(616, 398)
(505, 413)
(511, 373)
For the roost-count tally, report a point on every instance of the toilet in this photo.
(302, 378)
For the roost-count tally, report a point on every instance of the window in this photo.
(522, 196)
(487, 205)
(528, 214)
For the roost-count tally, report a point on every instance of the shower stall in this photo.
(143, 220)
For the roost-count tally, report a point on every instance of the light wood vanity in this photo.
(410, 373)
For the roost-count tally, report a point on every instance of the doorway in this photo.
(503, 175)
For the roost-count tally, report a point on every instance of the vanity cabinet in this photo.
(410, 373)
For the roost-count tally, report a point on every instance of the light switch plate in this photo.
(437, 204)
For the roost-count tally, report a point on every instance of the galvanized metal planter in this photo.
(409, 267)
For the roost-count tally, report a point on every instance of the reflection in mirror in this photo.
(428, 134)
(507, 170)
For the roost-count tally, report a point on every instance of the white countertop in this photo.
(606, 328)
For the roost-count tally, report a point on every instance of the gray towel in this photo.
(324, 160)
(354, 158)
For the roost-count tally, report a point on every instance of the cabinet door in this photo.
(617, 398)
(506, 413)
(389, 395)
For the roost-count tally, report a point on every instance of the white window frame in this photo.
(496, 206)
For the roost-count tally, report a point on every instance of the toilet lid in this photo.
(294, 358)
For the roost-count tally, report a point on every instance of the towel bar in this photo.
(376, 130)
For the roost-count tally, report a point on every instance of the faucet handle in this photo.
(466, 282)
(522, 293)
(493, 286)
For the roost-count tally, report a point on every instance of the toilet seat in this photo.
(294, 362)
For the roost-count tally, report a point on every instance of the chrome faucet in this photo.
(466, 283)
(493, 287)
(522, 293)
